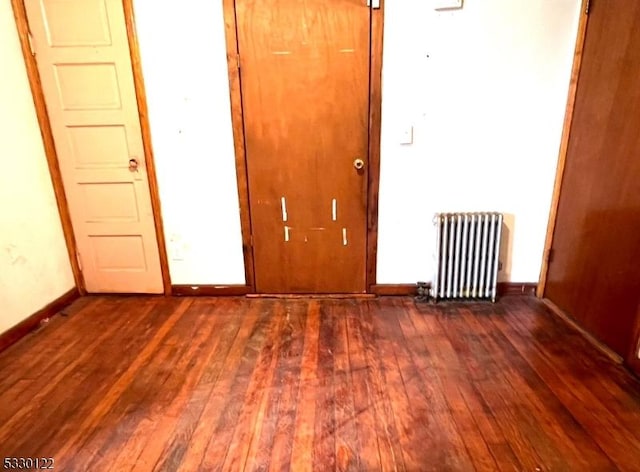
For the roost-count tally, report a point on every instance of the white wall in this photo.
(485, 89)
(34, 265)
(184, 64)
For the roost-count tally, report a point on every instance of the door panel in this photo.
(305, 95)
(82, 53)
(594, 273)
(87, 86)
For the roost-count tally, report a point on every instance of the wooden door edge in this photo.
(145, 128)
(20, 15)
(375, 125)
(564, 145)
(237, 120)
(633, 358)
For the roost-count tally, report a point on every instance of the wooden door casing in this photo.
(305, 103)
(593, 274)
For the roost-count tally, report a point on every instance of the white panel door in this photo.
(82, 53)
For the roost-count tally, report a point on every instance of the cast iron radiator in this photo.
(467, 250)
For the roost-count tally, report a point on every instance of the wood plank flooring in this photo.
(152, 383)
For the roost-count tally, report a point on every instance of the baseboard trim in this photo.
(556, 310)
(19, 331)
(504, 288)
(336, 296)
(517, 288)
(209, 290)
(394, 289)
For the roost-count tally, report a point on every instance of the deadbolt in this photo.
(358, 164)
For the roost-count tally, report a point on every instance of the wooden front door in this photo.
(305, 95)
(81, 48)
(594, 273)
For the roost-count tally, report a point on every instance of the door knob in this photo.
(133, 165)
(358, 164)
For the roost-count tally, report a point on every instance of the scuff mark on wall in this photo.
(15, 258)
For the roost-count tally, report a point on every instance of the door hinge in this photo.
(550, 255)
(238, 60)
(79, 261)
(31, 46)
(587, 5)
(374, 4)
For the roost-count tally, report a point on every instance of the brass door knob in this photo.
(358, 164)
(133, 165)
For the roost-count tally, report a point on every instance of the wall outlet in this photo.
(406, 135)
(177, 254)
(176, 248)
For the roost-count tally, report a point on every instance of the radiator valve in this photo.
(422, 292)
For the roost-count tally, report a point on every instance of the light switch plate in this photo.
(447, 4)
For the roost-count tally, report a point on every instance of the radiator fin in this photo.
(467, 251)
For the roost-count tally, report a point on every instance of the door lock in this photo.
(358, 164)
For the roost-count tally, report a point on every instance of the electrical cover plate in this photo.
(447, 4)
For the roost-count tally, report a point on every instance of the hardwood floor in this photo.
(151, 383)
